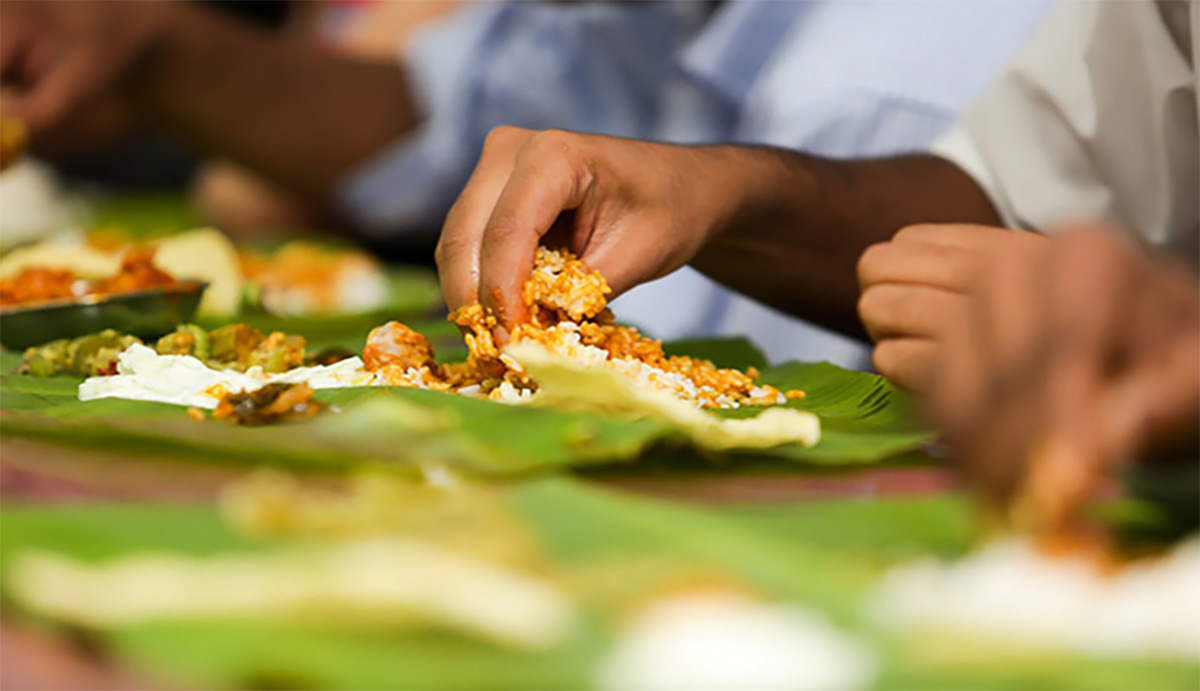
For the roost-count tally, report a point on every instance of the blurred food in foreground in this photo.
(596, 589)
(466, 518)
(719, 639)
(1014, 593)
(383, 554)
(382, 582)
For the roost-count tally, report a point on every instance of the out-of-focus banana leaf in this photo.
(864, 419)
(142, 215)
(796, 553)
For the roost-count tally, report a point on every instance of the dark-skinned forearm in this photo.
(278, 106)
(803, 222)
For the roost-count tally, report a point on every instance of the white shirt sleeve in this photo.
(1096, 118)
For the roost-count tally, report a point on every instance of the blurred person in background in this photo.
(242, 203)
(379, 130)
(1041, 358)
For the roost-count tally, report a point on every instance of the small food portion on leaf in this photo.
(142, 374)
(203, 255)
(38, 285)
(86, 356)
(235, 347)
(305, 278)
(269, 404)
(61, 254)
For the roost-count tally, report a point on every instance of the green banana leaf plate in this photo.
(824, 556)
(864, 420)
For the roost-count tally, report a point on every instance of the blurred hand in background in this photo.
(58, 58)
(1067, 358)
(285, 109)
(242, 203)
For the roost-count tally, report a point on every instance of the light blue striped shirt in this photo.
(830, 77)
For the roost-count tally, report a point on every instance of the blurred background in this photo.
(371, 115)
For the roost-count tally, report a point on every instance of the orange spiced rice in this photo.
(568, 315)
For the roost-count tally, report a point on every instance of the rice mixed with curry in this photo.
(569, 316)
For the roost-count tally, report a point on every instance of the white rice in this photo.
(1011, 592)
(724, 641)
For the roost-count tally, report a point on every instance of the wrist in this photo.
(756, 188)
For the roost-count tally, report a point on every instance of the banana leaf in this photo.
(142, 215)
(864, 420)
(797, 553)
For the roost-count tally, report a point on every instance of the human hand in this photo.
(632, 210)
(917, 284)
(1066, 361)
(56, 57)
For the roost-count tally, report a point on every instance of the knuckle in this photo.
(872, 262)
(873, 302)
(449, 247)
(885, 358)
(502, 229)
(502, 137)
(553, 142)
(872, 312)
(914, 232)
(454, 215)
